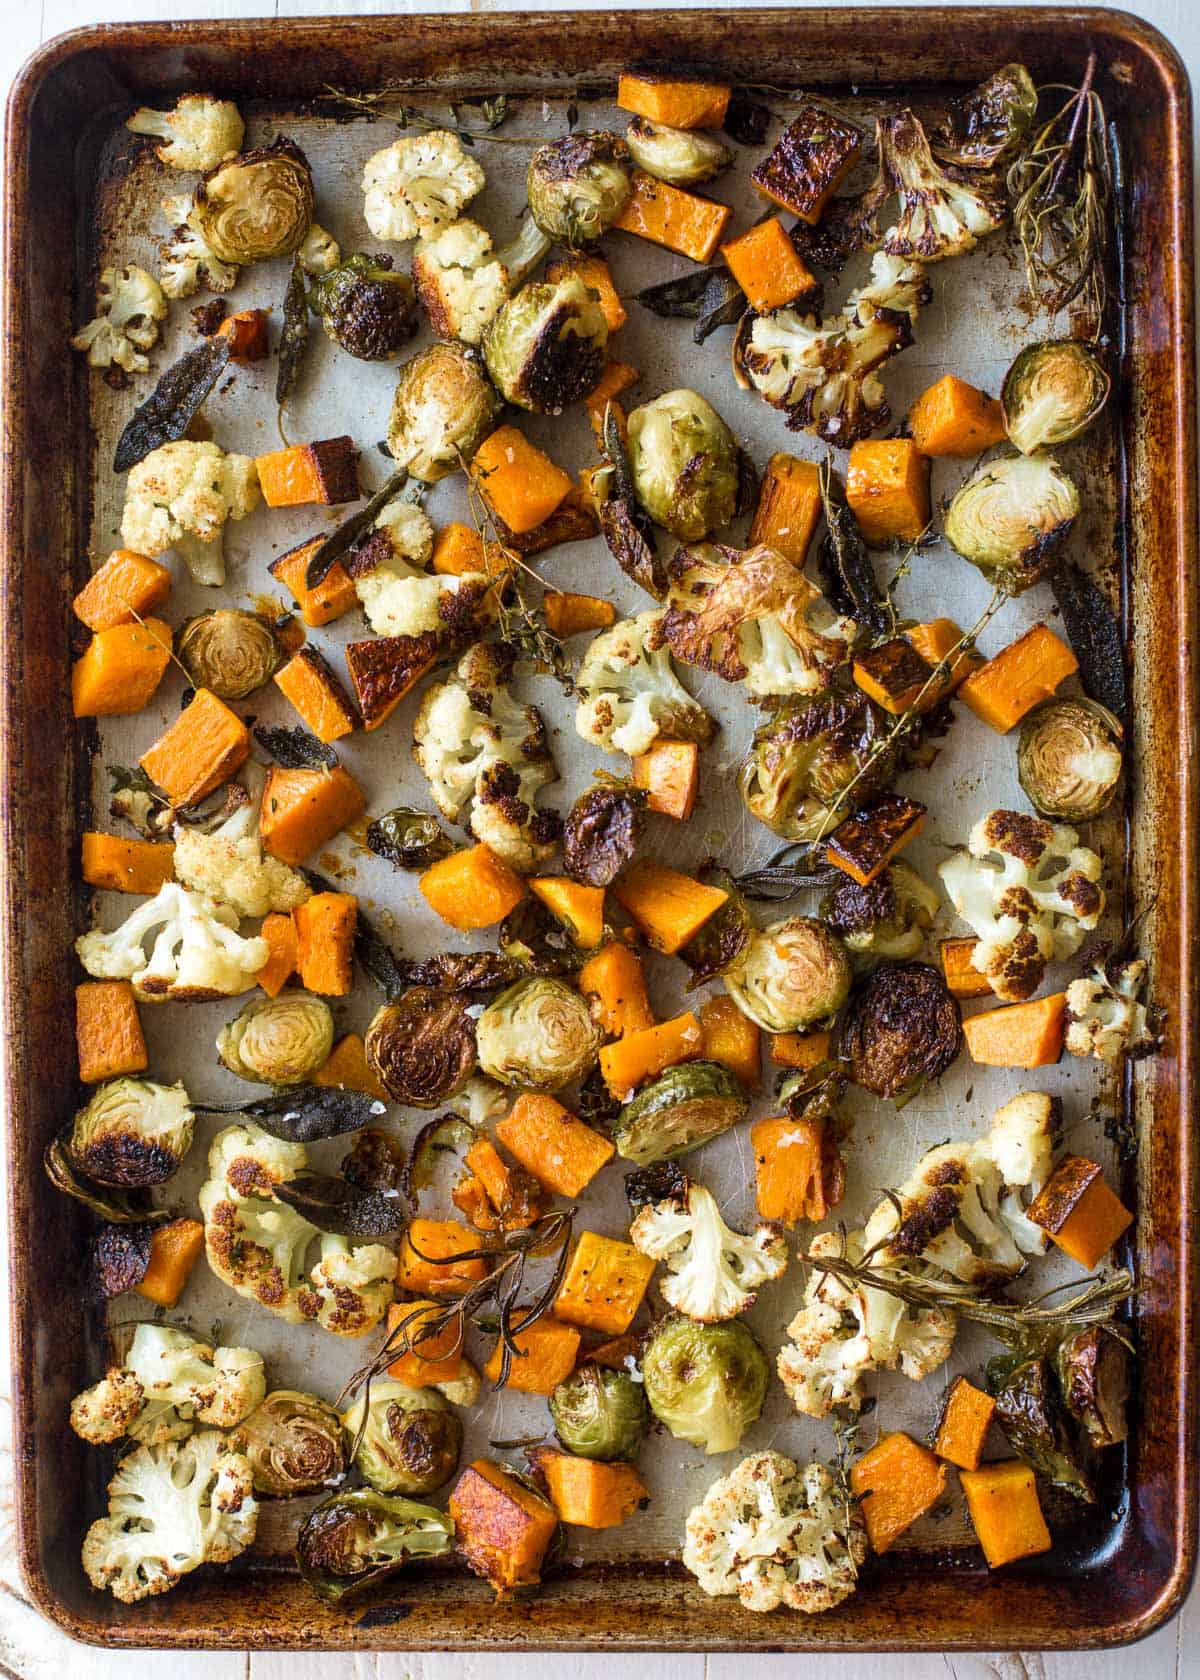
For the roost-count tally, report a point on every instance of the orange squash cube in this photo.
(126, 587)
(349, 1070)
(1018, 678)
(670, 774)
(631, 1060)
(329, 599)
(1079, 1212)
(1003, 1502)
(604, 1285)
(587, 1493)
(887, 487)
(427, 1263)
(962, 1428)
(205, 745)
(502, 1527)
(520, 483)
(731, 1038)
(120, 669)
(303, 809)
(955, 419)
(471, 889)
(552, 1144)
(768, 267)
(673, 101)
(789, 507)
(314, 689)
(132, 866)
(433, 1359)
(901, 1481)
(1020, 1035)
(668, 907)
(678, 220)
(304, 473)
(546, 1353)
(108, 1031)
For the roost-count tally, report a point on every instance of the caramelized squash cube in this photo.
(204, 747)
(1079, 1212)
(808, 162)
(605, 1283)
(503, 1528)
(887, 487)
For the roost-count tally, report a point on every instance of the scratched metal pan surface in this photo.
(79, 195)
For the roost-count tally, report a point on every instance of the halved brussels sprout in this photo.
(422, 1047)
(1093, 1375)
(790, 974)
(355, 1540)
(600, 1413)
(537, 941)
(1028, 1411)
(278, 1041)
(366, 307)
(411, 1439)
(538, 1033)
(806, 753)
(705, 1382)
(294, 1444)
(577, 186)
(985, 127)
(408, 839)
(1069, 758)
(685, 464)
(602, 831)
(683, 156)
(443, 409)
(901, 1029)
(678, 1111)
(132, 1133)
(1052, 393)
(1011, 517)
(887, 919)
(256, 206)
(545, 348)
(228, 651)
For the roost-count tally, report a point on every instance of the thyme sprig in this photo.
(494, 113)
(1060, 190)
(518, 621)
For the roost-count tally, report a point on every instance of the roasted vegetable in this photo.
(408, 839)
(418, 185)
(866, 841)
(681, 221)
(629, 694)
(404, 1440)
(422, 1047)
(897, 1481)
(798, 1169)
(602, 831)
(806, 753)
(987, 127)
(443, 409)
(681, 156)
(887, 488)
(366, 307)
(941, 214)
(577, 186)
(1092, 1367)
(963, 1424)
(538, 1034)
(108, 1031)
(551, 1144)
(1019, 677)
(293, 1444)
(1079, 1211)
(1011, 517)
(1069, 759)
(1107, 1016)
(712, 1272)
(278, 1041)
(132, 1133)
(585, 1493)
(684, 460)
(535, 940)
(197, 132)
(812, 155)
(181, 496)
(1096, 638)
(1029, 1412)
(228, 651)
(545, 347)
(256, 206)
(1052, 393)
(677, 1112)
(129, 306)
(118, 1207)
(504, 1525)
(890, 918)
(599, 1413)
(462, 279)
(790, 974)
(685, 101)
(471, 889)
(952, 418)
(1003, 1502)
(705, 1382)
(901, 1030)
(355, 1540)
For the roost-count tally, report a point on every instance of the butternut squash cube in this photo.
(887, 487)
(668, 216)
(108, 1031)
(670, 774)
(798, 1170)
(433, 1359)
(325, 928)
(962, 1428)
(520, 483)
(279, 931)
(327, 600)
(552, 1144)
(310, 683)
(1018, 678)
(546, 1353)
(731, 1038)
(1079, 1212)
(668, 907)
(347, 1069)
(808, 162)
(427, 1263)
(638, 1056)
(616, 379)
(789, 507)
(673, 101)
(768, 267)
(614, 983)
(303, 809)
(570, 615)
(867, 842)
(952, 418)
(802, 1050)
(126, 587)
(503, 1528)
(120, 669)
(963, 979)
(1020, 1035)
(934, 642)
(324, 473)
(471, 889)
(205, 745)
(580, 908)
(587, 1493)
(133, 866)
(604, 1285)
(901, 1481)
(1003, 1502)
(174, 1251)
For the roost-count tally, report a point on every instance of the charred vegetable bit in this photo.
(602, 832)
(986, 127)
(422, 1047)
(343, 539)
(408, 839)
(448, 1134)
(305, 1113)
(293, 339)
(1095, 637)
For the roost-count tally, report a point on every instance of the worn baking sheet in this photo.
(973, 326)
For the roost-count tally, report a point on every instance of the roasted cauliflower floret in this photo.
(462, 280)
(182, 496)
(218, 1386)
(197, 951)
(713, 1271)
(104, 1413)
(170, 1509)
(774, 1534)
(629, 694)
(418, 184)
(229, 865)
(129, 306)
(198, 131)
(253, 1242)
(1106, 1017)
(349, 1289)
(185, 261)
(1031, 906)
(944, 212)
(753, 618)
(486, 757)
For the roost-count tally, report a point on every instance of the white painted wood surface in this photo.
(32, 1649)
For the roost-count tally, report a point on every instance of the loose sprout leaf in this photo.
(173, 404)
(335, 1205)
(464, 971)
(849, 578)
(295, 749)
(627, 528)
(1094, 635)
(435, 1138)
(293, 340)
(305, 1113)
(343, 538)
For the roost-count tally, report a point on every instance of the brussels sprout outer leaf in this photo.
(1027, 1410)
(722, 303)
(1094, 635)
(746, 119)
(408, 839)
(295, 749)
(119, 1207)
(463, 971)
(293, 340)
(305, 1113)
(435, 1138)
(173, 404)
(334, 1204)
(722, 939)
(1093, 1376)
(537, 942)
(627, 528)
(343, 538)
(602, 831)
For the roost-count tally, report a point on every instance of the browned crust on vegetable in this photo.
(1062, 1193)
(336, 464)
(812, 155)
(897, 667)
(385, 668)
(863, 844)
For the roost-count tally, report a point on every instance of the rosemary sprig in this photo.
(845, 1426)
(495, 112)
(1060, 190)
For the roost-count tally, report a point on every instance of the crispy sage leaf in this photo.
(173, 404)
(305, 1113)
(296, 749)
(334, 1204)
(1095, 637)
(679, 300)
(293, 339)
(344, 537)
(722, 304)
(746, 119)
(849, 578)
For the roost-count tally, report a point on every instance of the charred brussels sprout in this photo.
(685, 464)
(1011, 517)
(422, 1047)
(294, 1444)
(539, 1033)
(1093, 1375)
(278, 1041)
(600, 1413)
(986, 127)
(900, 1030)
(679, 1111)
(537, 941)
(683, 156)
(1051, 394)
(355, 1540)
(408, 839)
(724, 936)
(545, 349)
(705, 1382)
(806, 753)
(578, 186)
(602, 831)
(1069, 758)
(443, 409)
(256, 206)
(790, 974)
(228, 651)
(132, 1133)
(1028, 1411)
(366, 307)
(887, 919)
(410, 1438)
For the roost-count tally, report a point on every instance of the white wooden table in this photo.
(32, 1649)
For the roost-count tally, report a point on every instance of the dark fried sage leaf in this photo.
(295, 749)
(1095, 637)
(342, 539)
(746, 119)
(850, 584)
(119, 1207)
(305, 1113)
(333, 1204)
(293, 339)
(173, 404)
(679, 300)
(722, 304)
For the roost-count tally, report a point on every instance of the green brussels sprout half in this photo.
(808, 750)
(577, 186)
(678, 1111)
(421, 1047)
(705, 1382)
(1028, 1411)
(410, 1440)
(1092, 1367)
(683, 156)
(278, 1041)
(600, 1413)
(1011, 517)
(256, 206)
(537, 941)
(132, 1133)
(987, 126)
(546, 346)
(443, 409)
(366, 307)
(902, 1028)
(538, 1033)
(294, 1444)
(889, 918)
(685, 464)
(408, 839)
(228, 651)
(1069, 758)
(1052, 393)
(790, 975)
(353, 1541)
